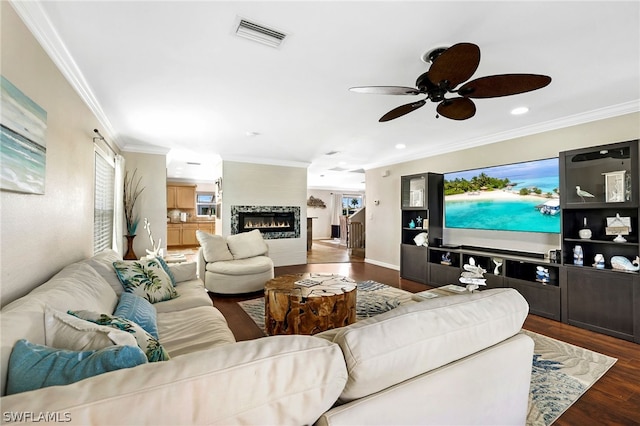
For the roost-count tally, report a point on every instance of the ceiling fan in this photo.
(451, 67)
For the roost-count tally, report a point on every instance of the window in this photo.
(205, 204)
(103, 203)
(351, 203)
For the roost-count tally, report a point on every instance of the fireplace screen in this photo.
(266, 222)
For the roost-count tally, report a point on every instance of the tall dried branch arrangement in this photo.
(132, 191)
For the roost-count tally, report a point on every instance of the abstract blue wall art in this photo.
(23, 150)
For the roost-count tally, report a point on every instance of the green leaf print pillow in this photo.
(146, 278)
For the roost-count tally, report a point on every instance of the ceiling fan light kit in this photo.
(451, 67)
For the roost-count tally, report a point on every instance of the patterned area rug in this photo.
(560, 373)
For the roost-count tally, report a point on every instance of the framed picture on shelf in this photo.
(417, 198)
(614, 185)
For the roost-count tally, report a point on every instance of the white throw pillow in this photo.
(64, 331)
(214, 247)
(247, 244)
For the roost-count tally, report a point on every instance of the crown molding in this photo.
(560, 123)
(146, 149)
(267, 161)
(37, 21)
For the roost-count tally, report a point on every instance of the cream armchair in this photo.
(238, 264)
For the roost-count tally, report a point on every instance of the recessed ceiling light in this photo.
(400, 146)
(519, 110)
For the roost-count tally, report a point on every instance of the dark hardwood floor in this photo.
(613, 400)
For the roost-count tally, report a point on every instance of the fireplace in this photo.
(274, 222)
(266, 221)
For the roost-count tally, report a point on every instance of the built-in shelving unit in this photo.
(603, 222)
(421, 201)
(602, 299)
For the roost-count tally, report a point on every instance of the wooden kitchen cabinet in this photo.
(184, 234)
(181, 197)
(174, 234)
(189, 234)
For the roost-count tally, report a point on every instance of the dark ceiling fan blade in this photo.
(494, 86)
(386, 90)
(456, 64)
(402, 110)
(457, 108)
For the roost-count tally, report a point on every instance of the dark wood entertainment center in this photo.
(602, 299)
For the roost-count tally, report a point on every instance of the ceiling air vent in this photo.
(259, 33)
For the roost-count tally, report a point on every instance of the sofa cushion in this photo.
(185, 271)
(149, 345)
(247, 244)
(193, 329)
(139, 310)
(214, 247)
(248, 266)
(146, 278)
(192, 294)
(64, 331)
(389, 348)
(102, 263)
(89, 290)
(33, 366)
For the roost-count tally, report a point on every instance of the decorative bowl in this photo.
(585, 234)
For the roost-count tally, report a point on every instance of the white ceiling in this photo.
(171, 76)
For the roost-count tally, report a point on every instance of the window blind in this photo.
(103, 204)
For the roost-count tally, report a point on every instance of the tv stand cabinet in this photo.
(515, 271)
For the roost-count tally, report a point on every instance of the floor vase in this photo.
(130, 254)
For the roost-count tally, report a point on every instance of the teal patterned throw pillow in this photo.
(149, 344)
(146, 278)
(33, 366)
(139, 310)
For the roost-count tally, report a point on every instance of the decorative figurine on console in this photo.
(446, 259)
(498, 262)
(598, 261)
(473, 275)
(412, 224)
(542, 274)
(623, 264)
(421, 239)
(419, 222)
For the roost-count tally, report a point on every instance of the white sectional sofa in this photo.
(452, 360)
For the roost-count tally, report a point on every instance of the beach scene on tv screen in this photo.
(521, 197)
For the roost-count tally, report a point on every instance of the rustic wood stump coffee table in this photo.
(291, 307)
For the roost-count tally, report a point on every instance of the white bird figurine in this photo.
(582, 193)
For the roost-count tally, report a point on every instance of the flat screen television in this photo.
(521, 197)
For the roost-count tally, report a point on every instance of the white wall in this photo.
(40, 234)
(383, 221)
(152, 202)
(266, 185)
(322, 216)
